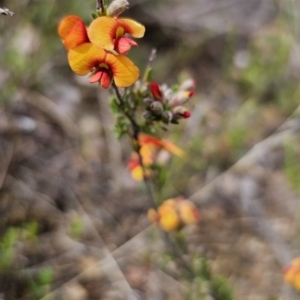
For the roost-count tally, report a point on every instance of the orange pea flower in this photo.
(174, 214)
(150, 147)
(86, 58)
(72, 31)
(111, 33)
(292, 274)
(104, 66)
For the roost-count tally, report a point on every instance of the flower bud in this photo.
(155, 91)
(117, 7)
(148, 102)
(168, 94)
(181, 112)
(188, 84)
(167, 116)
(180, 98)
(156, 107)
(140, 88)
(147, 115)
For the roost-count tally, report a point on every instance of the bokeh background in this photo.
(73, 223)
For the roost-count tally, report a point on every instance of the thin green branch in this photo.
(135, 131)
(176, 252)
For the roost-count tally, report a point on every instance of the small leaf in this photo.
(115, 106)
(45, 276)
(148, 75)
(221, 289)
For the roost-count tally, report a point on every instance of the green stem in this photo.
(177, 252)
(136, 130)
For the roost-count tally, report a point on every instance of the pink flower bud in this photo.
(186, 114)
(181, 112)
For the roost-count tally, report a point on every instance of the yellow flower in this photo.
(111, 33)
(72, 31)
(174, 214)
(150, 146)
(104, 66)
(188, 212)
(292, 274)
(87, 58)
(168, 216)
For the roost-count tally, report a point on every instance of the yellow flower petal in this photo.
(84, 57)
(137, 173)
(169, 219)
(132, 27)
(169, 203)
(297, 282)
(72, 31)
(102, 32)
(188, 212)
(172, 148)
(292, 274)
(145, 139)
(125, 72)
(147, 152)
(169, 146)
(152, 215)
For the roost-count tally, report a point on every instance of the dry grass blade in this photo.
(5, 11)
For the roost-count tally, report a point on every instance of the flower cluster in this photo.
(175, 213)
(165, 103)
(150, 148)
(292, 274)
(100, 49)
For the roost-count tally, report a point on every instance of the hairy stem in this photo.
(135, 131)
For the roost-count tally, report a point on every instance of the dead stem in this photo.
(5, 11)
(100, 5)
(148, 68)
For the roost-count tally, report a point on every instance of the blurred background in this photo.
(73, 223)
